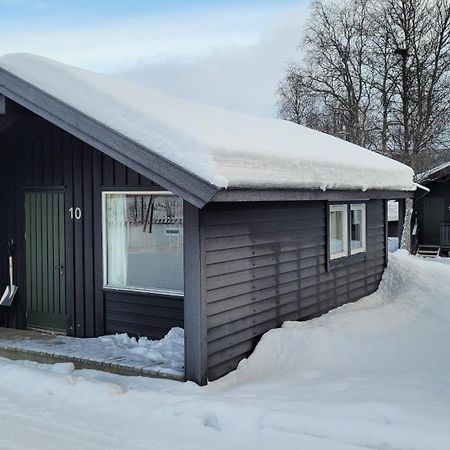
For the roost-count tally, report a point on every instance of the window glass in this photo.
(144, 241)
(338, 231)
(358, 228)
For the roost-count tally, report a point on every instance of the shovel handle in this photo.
(11, 271)
(10, 247)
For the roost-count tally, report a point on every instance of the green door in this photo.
(45, 260)
(433, 214)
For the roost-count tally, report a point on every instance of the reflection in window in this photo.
(143, 241)
(358, 228)
(338, 231)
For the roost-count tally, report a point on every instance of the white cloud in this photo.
(123, 42)
(231, 57)
(241, 78)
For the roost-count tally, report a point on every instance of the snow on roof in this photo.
(426, 176)
(226, 149)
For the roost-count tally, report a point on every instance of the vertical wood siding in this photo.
(266, 264)
(432, 209)
(45, 259)
(14, 316)
(55, 160)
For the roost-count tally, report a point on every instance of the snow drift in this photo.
(403, 326)
(228, 150)
(369, 375)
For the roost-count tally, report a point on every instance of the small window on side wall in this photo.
(338, 231)
(358, 228)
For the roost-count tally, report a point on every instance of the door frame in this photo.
(427, 233)
(21, 251)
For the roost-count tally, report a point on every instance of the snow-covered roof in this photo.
(435, 172)
(222, 148)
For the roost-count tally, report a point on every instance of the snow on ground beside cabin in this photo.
(371, 375)
(442, 260)
(393, 244)
(163, 356)
(168, 351)
(224, 148)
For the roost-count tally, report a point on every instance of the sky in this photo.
(226, 53)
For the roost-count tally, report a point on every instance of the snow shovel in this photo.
(11, 290)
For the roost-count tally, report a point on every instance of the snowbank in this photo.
(403, 326)
(168, 351)
(393, 244)
(164, 356)
(225, 149)
(370, 375)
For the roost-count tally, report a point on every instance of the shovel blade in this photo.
(8, 296)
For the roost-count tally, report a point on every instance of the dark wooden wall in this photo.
(50, 159)
(438, 189)
(266, 263)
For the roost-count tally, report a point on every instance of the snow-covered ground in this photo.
(371, 375)
(393, 244)
(164, 357)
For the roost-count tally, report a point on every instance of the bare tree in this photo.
(383, 62)
(336, 62)
(377, 73)
(296, 99)
(420, 31)
(299, 103)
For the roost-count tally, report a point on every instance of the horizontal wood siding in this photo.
(266, 263)
(39, 156)
(142, 314)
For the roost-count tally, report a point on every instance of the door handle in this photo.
(61, 269)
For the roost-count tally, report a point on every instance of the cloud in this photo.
(229, 55)
(122, 43)
(242, 78)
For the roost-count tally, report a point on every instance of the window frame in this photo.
(339, 207)
(359, 207)
(131, 289)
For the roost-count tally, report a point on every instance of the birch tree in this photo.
(379, 75)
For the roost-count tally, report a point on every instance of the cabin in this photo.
(432, 212)
(134, 212)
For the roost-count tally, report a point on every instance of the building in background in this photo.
(433, 212)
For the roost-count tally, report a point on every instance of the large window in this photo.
(143, 241)
(338, 231)
(358, 228)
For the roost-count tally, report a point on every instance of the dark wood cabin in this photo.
(432, 209)
(112, 238)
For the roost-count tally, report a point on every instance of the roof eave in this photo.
(143, 160)
(252, 195)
